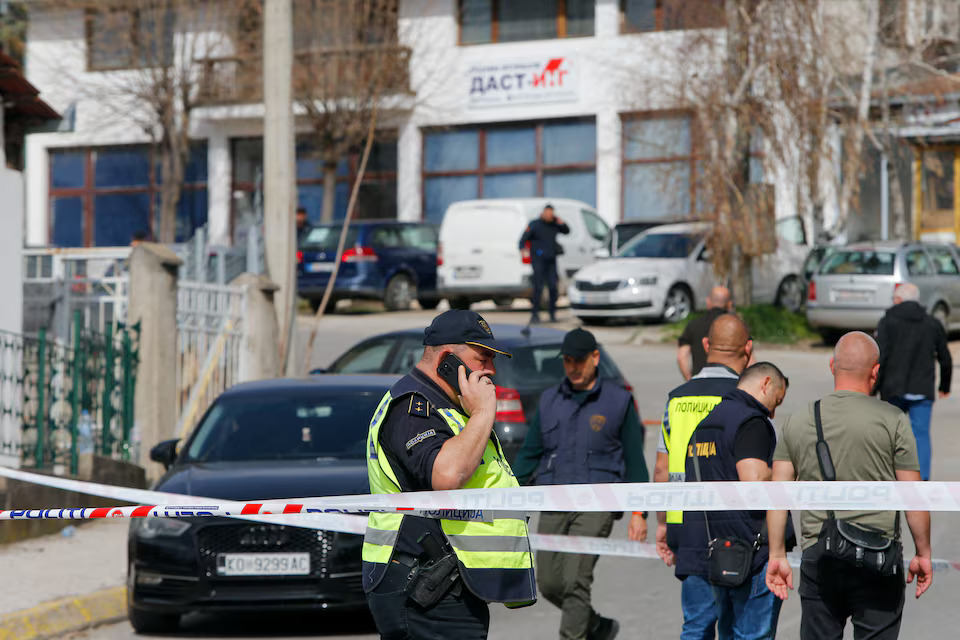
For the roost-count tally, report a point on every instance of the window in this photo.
(550, 159)
(659, 167)
(378, 190)
(638, 16)
(103, 196)
(596, 227)
(486, 21)
(918, 264)
(129, 38)
(421, 237)
(937, 189)
(877, 263)
(943, 261)
(661, 245)
(367, 358)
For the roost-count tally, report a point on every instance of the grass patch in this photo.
(767, 323)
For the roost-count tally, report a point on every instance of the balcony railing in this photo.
(321, 74)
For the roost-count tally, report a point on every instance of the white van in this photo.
(479, 256)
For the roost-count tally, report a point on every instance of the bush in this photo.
(767, 323)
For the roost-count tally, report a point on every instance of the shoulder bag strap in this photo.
(696, 470)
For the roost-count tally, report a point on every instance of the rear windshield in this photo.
(865, 262)
(326, 238)
(661, 245)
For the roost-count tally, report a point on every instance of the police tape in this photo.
(675, 496)
(302, 515)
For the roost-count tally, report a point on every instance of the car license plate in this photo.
(263, 564)
(320, 267)
(852, 295)
(467, 273)
(595, 298)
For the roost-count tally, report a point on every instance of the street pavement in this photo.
(642, 594)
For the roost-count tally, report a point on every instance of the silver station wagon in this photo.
(854, 285)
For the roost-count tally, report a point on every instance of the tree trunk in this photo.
(171, 174)
(329, 191)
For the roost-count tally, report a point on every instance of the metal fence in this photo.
(209, 332)
(59, 398)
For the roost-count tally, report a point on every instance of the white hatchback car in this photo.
(665, 273)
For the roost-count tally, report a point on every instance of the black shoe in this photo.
(553, 318)
(534, 319)
(604, 629)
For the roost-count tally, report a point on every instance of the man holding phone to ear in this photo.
(432, 578)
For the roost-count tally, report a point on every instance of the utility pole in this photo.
(279, 188)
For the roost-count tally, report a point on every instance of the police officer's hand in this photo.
(478, 394)
(662, 549)
(922, 568)
(779, 576)
(637, 529)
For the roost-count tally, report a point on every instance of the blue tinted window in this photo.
(122, 167)
(310, 196)
(118, 216)
(310, 161)
(439, 193)
(191, 213)
(476, 21)
(578, 185)
(450, 150)
(569, 143)
(638, 15)
(67, 169)
(510, 185)
(196, 169)
(383, 157)
(511, 147)
(67, 222)
(656, 191)
(657, 138)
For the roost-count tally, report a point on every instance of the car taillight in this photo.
(359, 254)
(299, 257)
(439, 254)
(812, 291)
(525, 253)
(509, 407)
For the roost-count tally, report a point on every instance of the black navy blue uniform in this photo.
(542, 236)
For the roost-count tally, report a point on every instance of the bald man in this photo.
(691, 356)
(729, 348)
(869, 440)
(910, 340)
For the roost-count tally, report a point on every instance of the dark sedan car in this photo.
(273, 439)
(520, 380)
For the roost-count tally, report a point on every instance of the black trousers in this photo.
(455, 616)
(832, 591)
(544, 274)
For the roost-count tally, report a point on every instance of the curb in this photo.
(59, 617)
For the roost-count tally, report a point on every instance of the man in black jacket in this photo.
(542, 236)
(909, 340)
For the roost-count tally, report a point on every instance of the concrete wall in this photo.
(11, 245)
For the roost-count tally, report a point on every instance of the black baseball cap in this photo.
(578, 343)
(461, 326)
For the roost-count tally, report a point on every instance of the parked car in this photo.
(665, 272)
(266, 440)
(387, 260)
(480, 258)
(854, 285)
(520, 380)
(624, 232)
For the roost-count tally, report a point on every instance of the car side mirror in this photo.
(602, 252)
(165, 453)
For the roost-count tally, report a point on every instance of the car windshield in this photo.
(539, 366)
(859, 262)
(318, 424)
(661, 245)
(327, 238)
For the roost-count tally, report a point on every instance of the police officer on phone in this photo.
(541, 234)
(433, 577)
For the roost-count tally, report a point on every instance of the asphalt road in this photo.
(642, 594)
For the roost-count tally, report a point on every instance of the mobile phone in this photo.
(448, 371)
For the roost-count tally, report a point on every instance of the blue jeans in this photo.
(699, 609)
(748, 612)
(919, 412)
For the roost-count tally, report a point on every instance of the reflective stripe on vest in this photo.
(684, 413)
(501, 545)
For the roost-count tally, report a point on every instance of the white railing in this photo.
(209, 333)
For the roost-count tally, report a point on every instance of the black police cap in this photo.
(578, 343)
(461, 326)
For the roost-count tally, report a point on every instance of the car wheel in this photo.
(830, 336)
(151, 622)
(400, 293)
(678, 304)
(460, 302)
(428, 303)
(940, 315)
(790, 294)
(503, 301)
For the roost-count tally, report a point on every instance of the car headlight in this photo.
(642, 280)
(154, 527)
